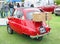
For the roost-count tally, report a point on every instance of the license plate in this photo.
(42, 30)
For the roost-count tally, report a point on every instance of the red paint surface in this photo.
(49, 8)
(25, 26)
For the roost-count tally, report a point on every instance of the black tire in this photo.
(2, 15)
(56, 14)
(40, 38)
(52, 12)
(9, 30)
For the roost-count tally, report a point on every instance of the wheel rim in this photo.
(9, 30)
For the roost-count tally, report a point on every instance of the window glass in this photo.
(29, 14)
(18, 13)
(15, 12)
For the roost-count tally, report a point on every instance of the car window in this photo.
(29, 15)
(18, 13)
(15, 12)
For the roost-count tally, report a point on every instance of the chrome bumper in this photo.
(38, 35)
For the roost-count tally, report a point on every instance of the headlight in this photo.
(42, 30)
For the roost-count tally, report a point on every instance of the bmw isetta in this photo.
(22, 22)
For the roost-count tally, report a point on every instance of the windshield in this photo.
(29, 15)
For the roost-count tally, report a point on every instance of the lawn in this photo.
(52, 38)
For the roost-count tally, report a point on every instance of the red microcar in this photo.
(49, 8)
(22, 23)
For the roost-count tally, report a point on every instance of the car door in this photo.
(16, 21)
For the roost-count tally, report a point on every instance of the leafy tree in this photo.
(22, 0)
(57, 1)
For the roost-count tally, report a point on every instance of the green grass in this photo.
(52, 38)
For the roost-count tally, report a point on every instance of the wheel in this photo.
(2, 14)
(40, 38)
(57, 14)
(52, 12)
(9, 30)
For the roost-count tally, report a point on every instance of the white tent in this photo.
(37, 3)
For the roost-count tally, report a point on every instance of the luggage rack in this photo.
(42, 16)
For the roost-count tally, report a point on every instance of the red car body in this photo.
(26, 26)
(49, 8)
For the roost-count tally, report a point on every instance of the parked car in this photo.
(43, 5)
(57, 11)
(22, 23)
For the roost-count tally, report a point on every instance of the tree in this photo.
(22, 0)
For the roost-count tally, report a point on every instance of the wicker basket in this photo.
(48, 15)
(41, 16)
